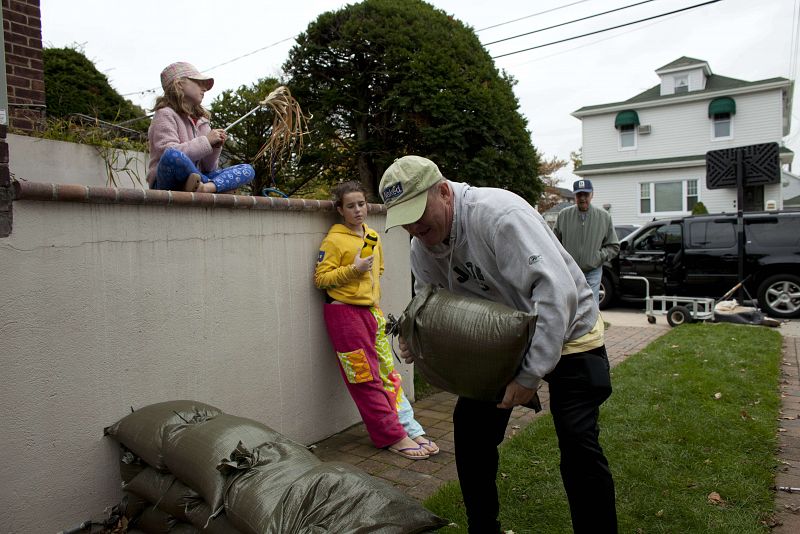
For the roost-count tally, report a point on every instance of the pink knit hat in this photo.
(181, 69)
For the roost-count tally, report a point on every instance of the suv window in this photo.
(774, 232)
(712, 234)
(657, 238)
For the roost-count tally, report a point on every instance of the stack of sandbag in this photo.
(188, 467)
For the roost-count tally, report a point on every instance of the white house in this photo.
(646, 155)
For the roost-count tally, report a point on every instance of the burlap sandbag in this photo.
(193, 451)
(465, 345)
(258, 478)
(155, 521)
(142, 431)
(336, 497)
(164, 491)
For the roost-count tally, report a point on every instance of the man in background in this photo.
(587, 233)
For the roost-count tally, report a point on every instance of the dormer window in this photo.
(682, 84)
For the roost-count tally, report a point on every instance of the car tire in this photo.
(678, 315)
(606, 292)
(779, 296)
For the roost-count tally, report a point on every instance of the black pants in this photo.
(578, 386)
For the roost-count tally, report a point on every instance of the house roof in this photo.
(683, 61)
(714, 83)
(794, 201)
(679, 161)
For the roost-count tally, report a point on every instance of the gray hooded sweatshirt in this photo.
(501, 249)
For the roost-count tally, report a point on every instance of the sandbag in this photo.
(131, 505)
(130, 465)
(336, 497)
(193, 451)
(258, 479)
(163, 491)
(142, 431)
(199, 515)
(155, 521)
(465, 345)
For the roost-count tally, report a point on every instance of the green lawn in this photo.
(693, 414)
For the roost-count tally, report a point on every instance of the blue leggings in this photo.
(174, 168)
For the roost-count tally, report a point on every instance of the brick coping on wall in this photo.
(155, 197)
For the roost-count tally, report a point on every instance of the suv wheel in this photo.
(606, 292)
(779, 295)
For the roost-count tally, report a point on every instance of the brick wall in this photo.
(6, 193)
(22, 26)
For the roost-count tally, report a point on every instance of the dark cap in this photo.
(582, 186)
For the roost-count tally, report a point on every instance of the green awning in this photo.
(626, 118)
(721, 105)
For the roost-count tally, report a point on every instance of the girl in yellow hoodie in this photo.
(355, 326)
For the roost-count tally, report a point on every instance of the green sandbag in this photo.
(155, 521)
(199, 515)
(336, 497)
(258, 478)
(164, 491)
(193, 451)
(142, 431)
(465, 345)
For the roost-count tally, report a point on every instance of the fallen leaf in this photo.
(503, 475)
(715, 498)
(781, 430)
(660, 513)
(674, 346)
(515, 427)
(707, 461)
(718, 395)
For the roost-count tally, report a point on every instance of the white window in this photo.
(722, 126)
(627, 137)
(682, 84)
(667, 197)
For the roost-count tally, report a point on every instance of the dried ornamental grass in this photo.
(288, 127)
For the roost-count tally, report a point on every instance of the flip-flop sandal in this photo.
(428, 443)
(192, 183)
(404, 454)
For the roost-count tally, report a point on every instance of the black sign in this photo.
(761, 166)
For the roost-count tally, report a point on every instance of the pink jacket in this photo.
(170, 130)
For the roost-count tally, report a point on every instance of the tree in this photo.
(74, 85)
(383, 79)
(576, 157)
(699, 209)
(550, 196)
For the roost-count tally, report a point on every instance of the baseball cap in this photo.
(582, 186)
(181, 69)
(404, 188)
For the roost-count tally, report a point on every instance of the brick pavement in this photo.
(787, 505)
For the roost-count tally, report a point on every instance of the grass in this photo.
(694, 413)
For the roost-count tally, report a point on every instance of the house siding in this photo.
(684, 129)
(620, 191)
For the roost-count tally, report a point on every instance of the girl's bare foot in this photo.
(192, 182)
(408, 448)
(427, 444)
(208, 187)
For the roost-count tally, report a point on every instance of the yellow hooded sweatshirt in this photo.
(336, 273)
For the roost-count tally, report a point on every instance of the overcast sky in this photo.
(240, 41)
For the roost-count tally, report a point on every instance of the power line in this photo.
(529, 16)
(237, 58)
(607, 29)
(568, 22)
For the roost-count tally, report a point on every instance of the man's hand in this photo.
(405, 353)
(363, 265)
(516, 394)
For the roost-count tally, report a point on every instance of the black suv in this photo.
(697, 256)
